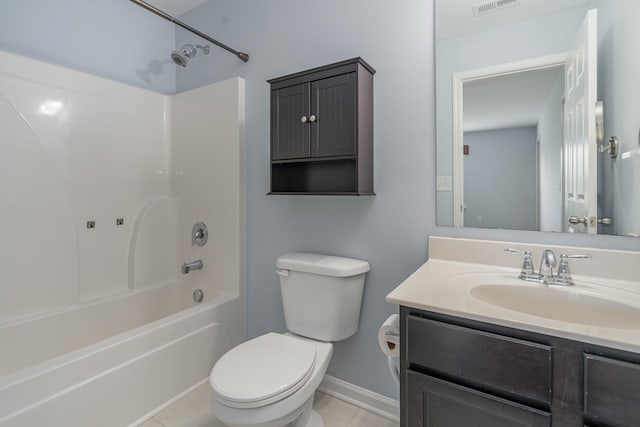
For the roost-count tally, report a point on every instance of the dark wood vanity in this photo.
(457, 372)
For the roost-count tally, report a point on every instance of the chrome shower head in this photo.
(187, 51)
(181, 58)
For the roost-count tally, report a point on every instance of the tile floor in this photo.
(193, 411)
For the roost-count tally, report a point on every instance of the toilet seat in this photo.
(262, 371)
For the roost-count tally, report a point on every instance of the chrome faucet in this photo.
(195, 265)
(547, 263)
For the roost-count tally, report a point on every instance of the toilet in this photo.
(270, 381)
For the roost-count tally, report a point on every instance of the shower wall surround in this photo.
(78, 149)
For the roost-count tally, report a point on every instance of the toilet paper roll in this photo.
(389, 336)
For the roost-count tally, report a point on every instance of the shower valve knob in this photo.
(199, 234)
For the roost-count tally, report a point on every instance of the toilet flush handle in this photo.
(283, 273)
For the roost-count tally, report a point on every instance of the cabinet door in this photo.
(290, 128)
(436, 403)
(612, 390)
(333, 102)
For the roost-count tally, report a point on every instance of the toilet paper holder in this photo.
(389, 341)
(391, 344)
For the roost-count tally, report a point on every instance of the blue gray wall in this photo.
(113, 39)
(618, 88)
(390, 229)
(283, 36)
(500, 179)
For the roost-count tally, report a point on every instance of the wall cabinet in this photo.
(458, 372)
(322, 130)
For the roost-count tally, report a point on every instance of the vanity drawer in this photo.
(612, 390)
(442, 404)
(509, 365)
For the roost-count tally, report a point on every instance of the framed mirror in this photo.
(519, 142)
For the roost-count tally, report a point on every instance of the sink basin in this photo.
(560, 304)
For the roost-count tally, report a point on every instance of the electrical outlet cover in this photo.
(444, 183)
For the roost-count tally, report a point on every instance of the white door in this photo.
(580, 150)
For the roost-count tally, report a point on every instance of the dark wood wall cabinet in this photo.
(322, 130)
(457, 372)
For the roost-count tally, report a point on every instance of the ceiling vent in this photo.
(493, 6)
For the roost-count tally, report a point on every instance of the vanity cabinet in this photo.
(457, 372)
(322, 130)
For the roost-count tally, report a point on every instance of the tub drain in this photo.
(198, 295)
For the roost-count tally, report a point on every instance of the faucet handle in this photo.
(565, 256)
(517, 251)
(564, 273)
(526, 272)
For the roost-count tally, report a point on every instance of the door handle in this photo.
(574, 220)
(605, 221)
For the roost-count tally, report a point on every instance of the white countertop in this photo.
(444, 285)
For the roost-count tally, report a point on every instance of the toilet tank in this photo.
(321, 294)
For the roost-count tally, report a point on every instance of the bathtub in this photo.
(114, 372)
(98, 326)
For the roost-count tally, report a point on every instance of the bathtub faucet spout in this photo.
(195, 265)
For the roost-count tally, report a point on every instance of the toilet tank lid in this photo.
(325, 265)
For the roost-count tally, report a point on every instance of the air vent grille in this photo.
(493, 6)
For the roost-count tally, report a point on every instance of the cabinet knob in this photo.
(303, 119)
(313, 118)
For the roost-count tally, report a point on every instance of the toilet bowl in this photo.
(238, 399)
(270, 380)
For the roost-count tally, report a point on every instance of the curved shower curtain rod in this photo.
(243, 56)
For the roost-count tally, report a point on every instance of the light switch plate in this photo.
(443, 183)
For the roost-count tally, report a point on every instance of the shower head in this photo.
(181, 57)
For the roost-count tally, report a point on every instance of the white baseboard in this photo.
(360, 397)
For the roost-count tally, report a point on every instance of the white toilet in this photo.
(270, 381)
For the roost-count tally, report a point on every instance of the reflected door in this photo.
(579, 150)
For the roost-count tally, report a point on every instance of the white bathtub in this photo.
(98, 326)
(120, 380)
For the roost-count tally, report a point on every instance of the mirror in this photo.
(517, 138)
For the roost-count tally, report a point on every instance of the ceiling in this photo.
(508, 101)
(176, 8)
(455, 17)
